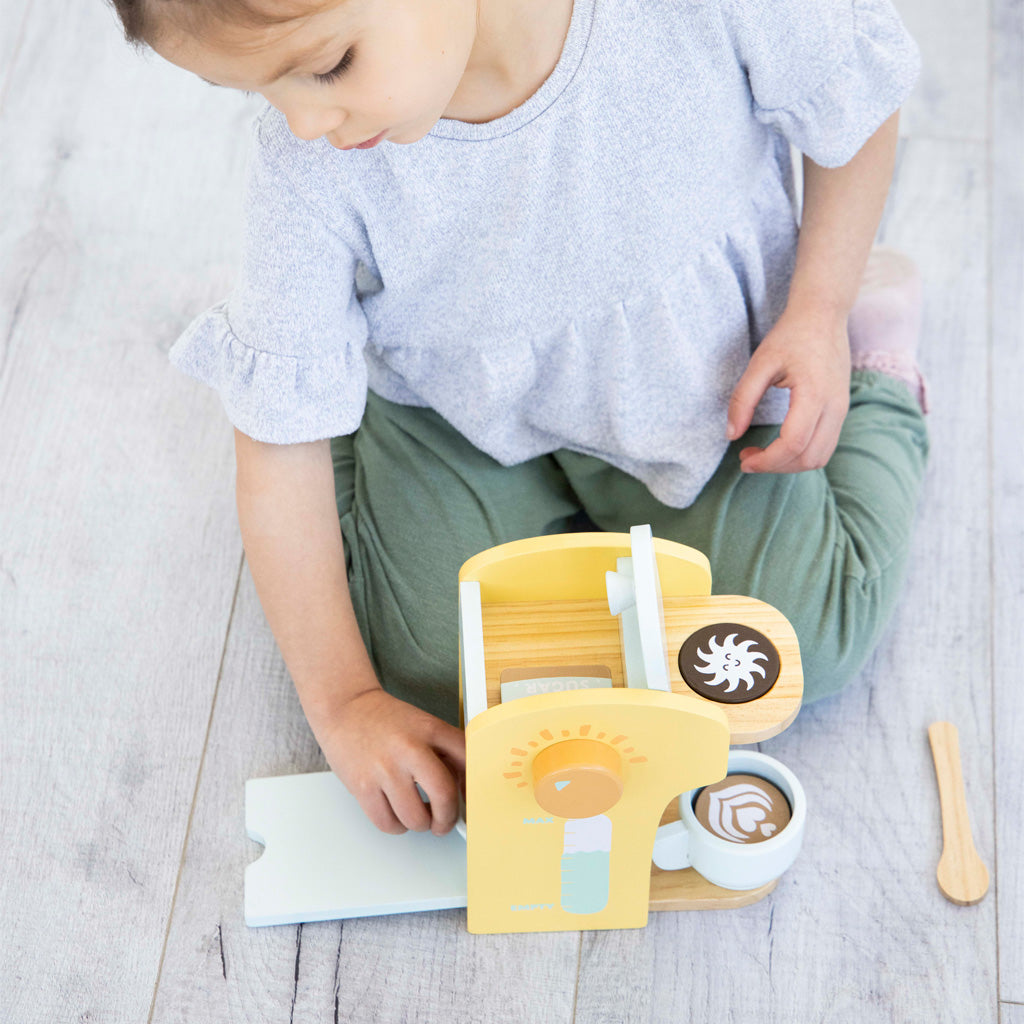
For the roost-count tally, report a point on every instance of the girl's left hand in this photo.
(809, 354)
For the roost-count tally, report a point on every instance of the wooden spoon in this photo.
(962, 876)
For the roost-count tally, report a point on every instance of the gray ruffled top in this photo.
(590, 271)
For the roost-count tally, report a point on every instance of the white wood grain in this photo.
(117, 547)
(12, 32)
(1007, 282)
(858, 930)
(215, 969)
(950, 100)
(118, 565)
(405, 968)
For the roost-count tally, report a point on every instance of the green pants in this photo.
(827, 548)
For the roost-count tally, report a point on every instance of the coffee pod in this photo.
(729, 663)
(742, 809)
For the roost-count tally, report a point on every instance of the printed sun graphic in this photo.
(716, 659)
(731, 663)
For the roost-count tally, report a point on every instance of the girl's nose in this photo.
(312, 124)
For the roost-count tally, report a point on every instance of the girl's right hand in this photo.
(380, 747)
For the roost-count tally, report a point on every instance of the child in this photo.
(533, 265)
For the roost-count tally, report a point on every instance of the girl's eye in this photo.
(340, 69)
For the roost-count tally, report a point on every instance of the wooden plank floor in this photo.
(140, 686)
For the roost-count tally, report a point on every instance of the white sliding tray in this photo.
(324, 860)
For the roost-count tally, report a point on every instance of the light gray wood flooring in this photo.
(140, 686)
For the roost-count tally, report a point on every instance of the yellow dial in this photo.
(577, 778)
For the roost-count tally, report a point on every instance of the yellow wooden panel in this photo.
(572, 566)
(524, 872)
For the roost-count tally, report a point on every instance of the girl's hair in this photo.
(144, 20)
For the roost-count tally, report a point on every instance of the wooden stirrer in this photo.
(962, 875)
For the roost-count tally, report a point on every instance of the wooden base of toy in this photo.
(686, 890)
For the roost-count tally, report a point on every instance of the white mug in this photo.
(686, 843)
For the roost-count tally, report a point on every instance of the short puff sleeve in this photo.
(285, 351)
(824, 73)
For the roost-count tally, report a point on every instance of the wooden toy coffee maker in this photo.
(600, 680)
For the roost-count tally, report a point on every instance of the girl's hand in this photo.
(810, 355)
(380, 747)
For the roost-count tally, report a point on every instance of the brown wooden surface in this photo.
(687, 890)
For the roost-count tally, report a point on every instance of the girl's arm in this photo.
(808, 351)
(378, 745)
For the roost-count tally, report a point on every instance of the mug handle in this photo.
(672, 846)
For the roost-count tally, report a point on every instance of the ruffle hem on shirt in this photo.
(279, 399)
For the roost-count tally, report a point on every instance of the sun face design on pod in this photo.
(729, 663)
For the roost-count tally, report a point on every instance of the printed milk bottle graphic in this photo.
(586, 859)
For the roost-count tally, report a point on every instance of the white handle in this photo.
(672, 847)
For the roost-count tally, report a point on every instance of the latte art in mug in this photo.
(742, 809)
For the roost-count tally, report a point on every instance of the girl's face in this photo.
(348, 70)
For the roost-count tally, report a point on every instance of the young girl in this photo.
(533, 265)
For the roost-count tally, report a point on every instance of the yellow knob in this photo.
(577, 778)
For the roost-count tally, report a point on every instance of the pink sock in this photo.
(885, 322)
